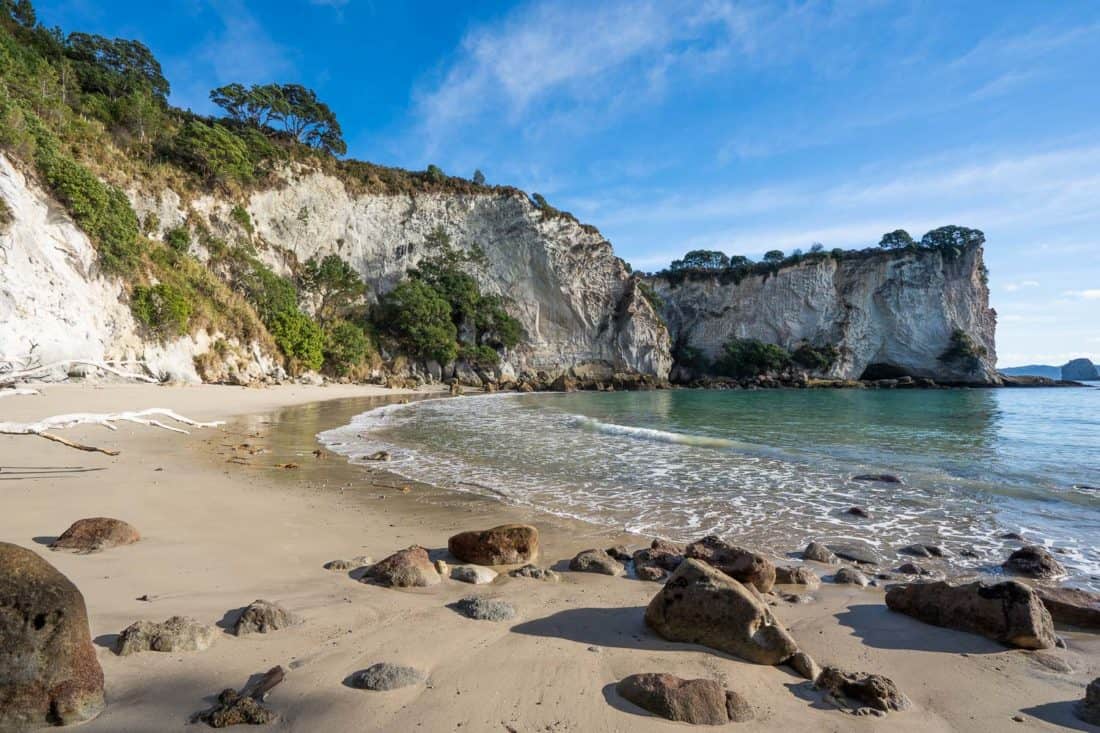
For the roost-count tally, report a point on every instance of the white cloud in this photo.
(1012, 287)
(1090, 294)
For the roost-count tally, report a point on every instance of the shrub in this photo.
(484, 357)
(6, 216)
(346, 347)
(178, 238)
(815, 357)
(419, 318)
(479, 177)
(963, 350)
(240, 215)
(750, 358)
(214, 152)
(300, 338)
(435, 174)
(164, 309)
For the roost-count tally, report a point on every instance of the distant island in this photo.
(1076, 370)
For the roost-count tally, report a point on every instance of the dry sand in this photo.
(222, 527)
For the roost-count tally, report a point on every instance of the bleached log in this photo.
(17, 392)
(43, 427)
(13, 375)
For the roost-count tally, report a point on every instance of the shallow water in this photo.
(774, 468)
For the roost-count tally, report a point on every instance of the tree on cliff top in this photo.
(953, 236)
(702, 259)
(292, 106)
(897, 239)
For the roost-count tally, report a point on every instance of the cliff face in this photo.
(577, 302)
(894, 310)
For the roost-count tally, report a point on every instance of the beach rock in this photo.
(409, 568)
(666, 547)
(650, 573)
(536, 573)
(620, 553)
(1071, 606)
(1088, 709)
(882, 478)
(596, 561)
(386, 676)
(804, 665)
(702, 605)
(382, 455)
(922, 550)
(660, 555)
(865, 690)
(850, 576)
(1009, 612)
(262, 617)
(1012, 536)
(1034, 562)
(345, 565)
(699, 701)
(476, 574)
(485, 609)
(858, 511)
(442, 568)
(860, 553)
(1050, 661)
(95, 534)
(49, 674)
(911, 568)
(819, 553)
(233, 708)
(177, 634)
(508, 544)
(796, 575)
(737, 562)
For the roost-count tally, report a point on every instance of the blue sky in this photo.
(740, 126)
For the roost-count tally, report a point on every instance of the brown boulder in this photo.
(701, 702)
(1008, 612)
(176, 634)
(508, 544)
(262, 617)
(409, 568)
(858, 691)
(1071, 606)
(702, 605)
(737, 562)
(95, 534)
(1034, 562)
(49, 674)
(797, 575)
(1088, 709)
(596, 561)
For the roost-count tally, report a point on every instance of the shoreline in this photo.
(218, 533)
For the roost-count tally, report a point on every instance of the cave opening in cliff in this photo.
(883, 370)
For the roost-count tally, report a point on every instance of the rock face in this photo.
(1008, 612)
(596, 561)
(737, 562)
(702, 605)
(508, 544)
(1034, 562)
(1080, 370)
(262, 617)
(49, 674)
(864, 690)
(95, 534)
(895, 310)
(1071, 606)
(177, 634)
(701, 702)
(409, 568)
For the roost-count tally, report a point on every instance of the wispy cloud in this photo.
(1012, 287)
(1090, 294)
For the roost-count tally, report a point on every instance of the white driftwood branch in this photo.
(148, 417)
(13, 375)
(16, 392)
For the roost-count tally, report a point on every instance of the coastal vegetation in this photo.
(742, 358)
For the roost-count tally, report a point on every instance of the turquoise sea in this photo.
(774, 468)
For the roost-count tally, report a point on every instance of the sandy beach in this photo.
(223, 525)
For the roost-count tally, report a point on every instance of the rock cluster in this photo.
(49, 674)
(96, 533)
(508, 544)
(177, 634)
(1008, 612)
(699, 701)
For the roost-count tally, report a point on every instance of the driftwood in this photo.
(11, 372)
(43, 428)
(21, 392)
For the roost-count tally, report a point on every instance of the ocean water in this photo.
(774, 468)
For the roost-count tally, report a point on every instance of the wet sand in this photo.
(223, 525)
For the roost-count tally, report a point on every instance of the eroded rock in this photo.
(1034, 562)
(96, 533)
(387, 676)
(177, 634)
(262, 617)
(700, 604)
(850, 576)
(796, 575)
(49, 674)
(858, 691)
(536, 573)
(1009, 612)
(485, 609)
(737, 562)
(1088, 709)
(596, 561)
(408, 568)
(508, 544)
(699, 701)
(819, 553)
(1071, 606)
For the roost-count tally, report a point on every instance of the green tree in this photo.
(334, 282)
(479, 177)
(495, 327)
(214, 152)
(346, 347)
(750, 358)
(702, 259)
(420, 319)
(897, 239)
(774, 256)
(115, 67)
(436, 174)
(293, 107)
(953, 237)
(300, 338)
(162, 308)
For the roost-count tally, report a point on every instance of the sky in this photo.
(716, 124)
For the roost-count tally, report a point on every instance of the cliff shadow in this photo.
(879, 627)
